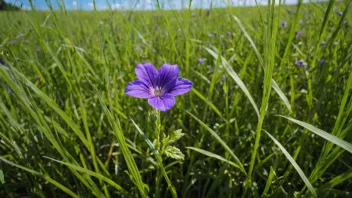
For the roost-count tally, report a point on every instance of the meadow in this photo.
(269, 113)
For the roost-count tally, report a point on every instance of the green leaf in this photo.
(158, 158)
(295, 165)
(331, 138)
(2, 178)
(175, 135)
(174, 153)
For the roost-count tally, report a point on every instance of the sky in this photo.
(139, 4)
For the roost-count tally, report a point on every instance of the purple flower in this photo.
(228, 33)
(159, 86)
(37, 50)
(339, 13)
(299, 63)
(13, 42)
(284, 24)
(323, 44)
(193, 14)
(155, 27)
(321, 62)
(201, 60)
(210, 35)
(345, 22)
(300, 22)
(299, 34)
(222, 37)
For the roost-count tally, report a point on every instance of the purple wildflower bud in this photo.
(345, 22)
(300, 22)
(37, 50)
(228, 33)
(210, 35)
(284, 24)
(323, 44)
(201, 60)
(321, 62)
(299, 63)
(339, 13)
(13, 41)
(159, 86)
(193, 14)
(299, 34)
(222, 36)
(223, 77)
(155, 27)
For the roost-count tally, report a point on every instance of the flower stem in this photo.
(158, 156)
(157, 132)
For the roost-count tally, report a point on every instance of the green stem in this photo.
(157, 131)
(161, 168)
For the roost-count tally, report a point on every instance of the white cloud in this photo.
(74, 3)
(91, 4)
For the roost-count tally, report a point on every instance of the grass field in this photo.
(269, 113)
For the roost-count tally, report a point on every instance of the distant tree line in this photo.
(7, 6)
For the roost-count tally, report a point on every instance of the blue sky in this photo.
(139, 4)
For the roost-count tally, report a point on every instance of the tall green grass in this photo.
(255, 124)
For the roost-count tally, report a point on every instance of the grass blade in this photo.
(327, 136)
(209, 103)
(213, 155)
(223, 144)
(47, 178)
(295, 165)
(235, 77)
(261, 60)
(92, 173)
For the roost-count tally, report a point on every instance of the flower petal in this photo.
(147, 73)
(138, 89)
(162, 103)
(178, 86)
(167, 73)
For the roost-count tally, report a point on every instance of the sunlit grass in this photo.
(255, 123)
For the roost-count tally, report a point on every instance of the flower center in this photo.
(157, 91)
